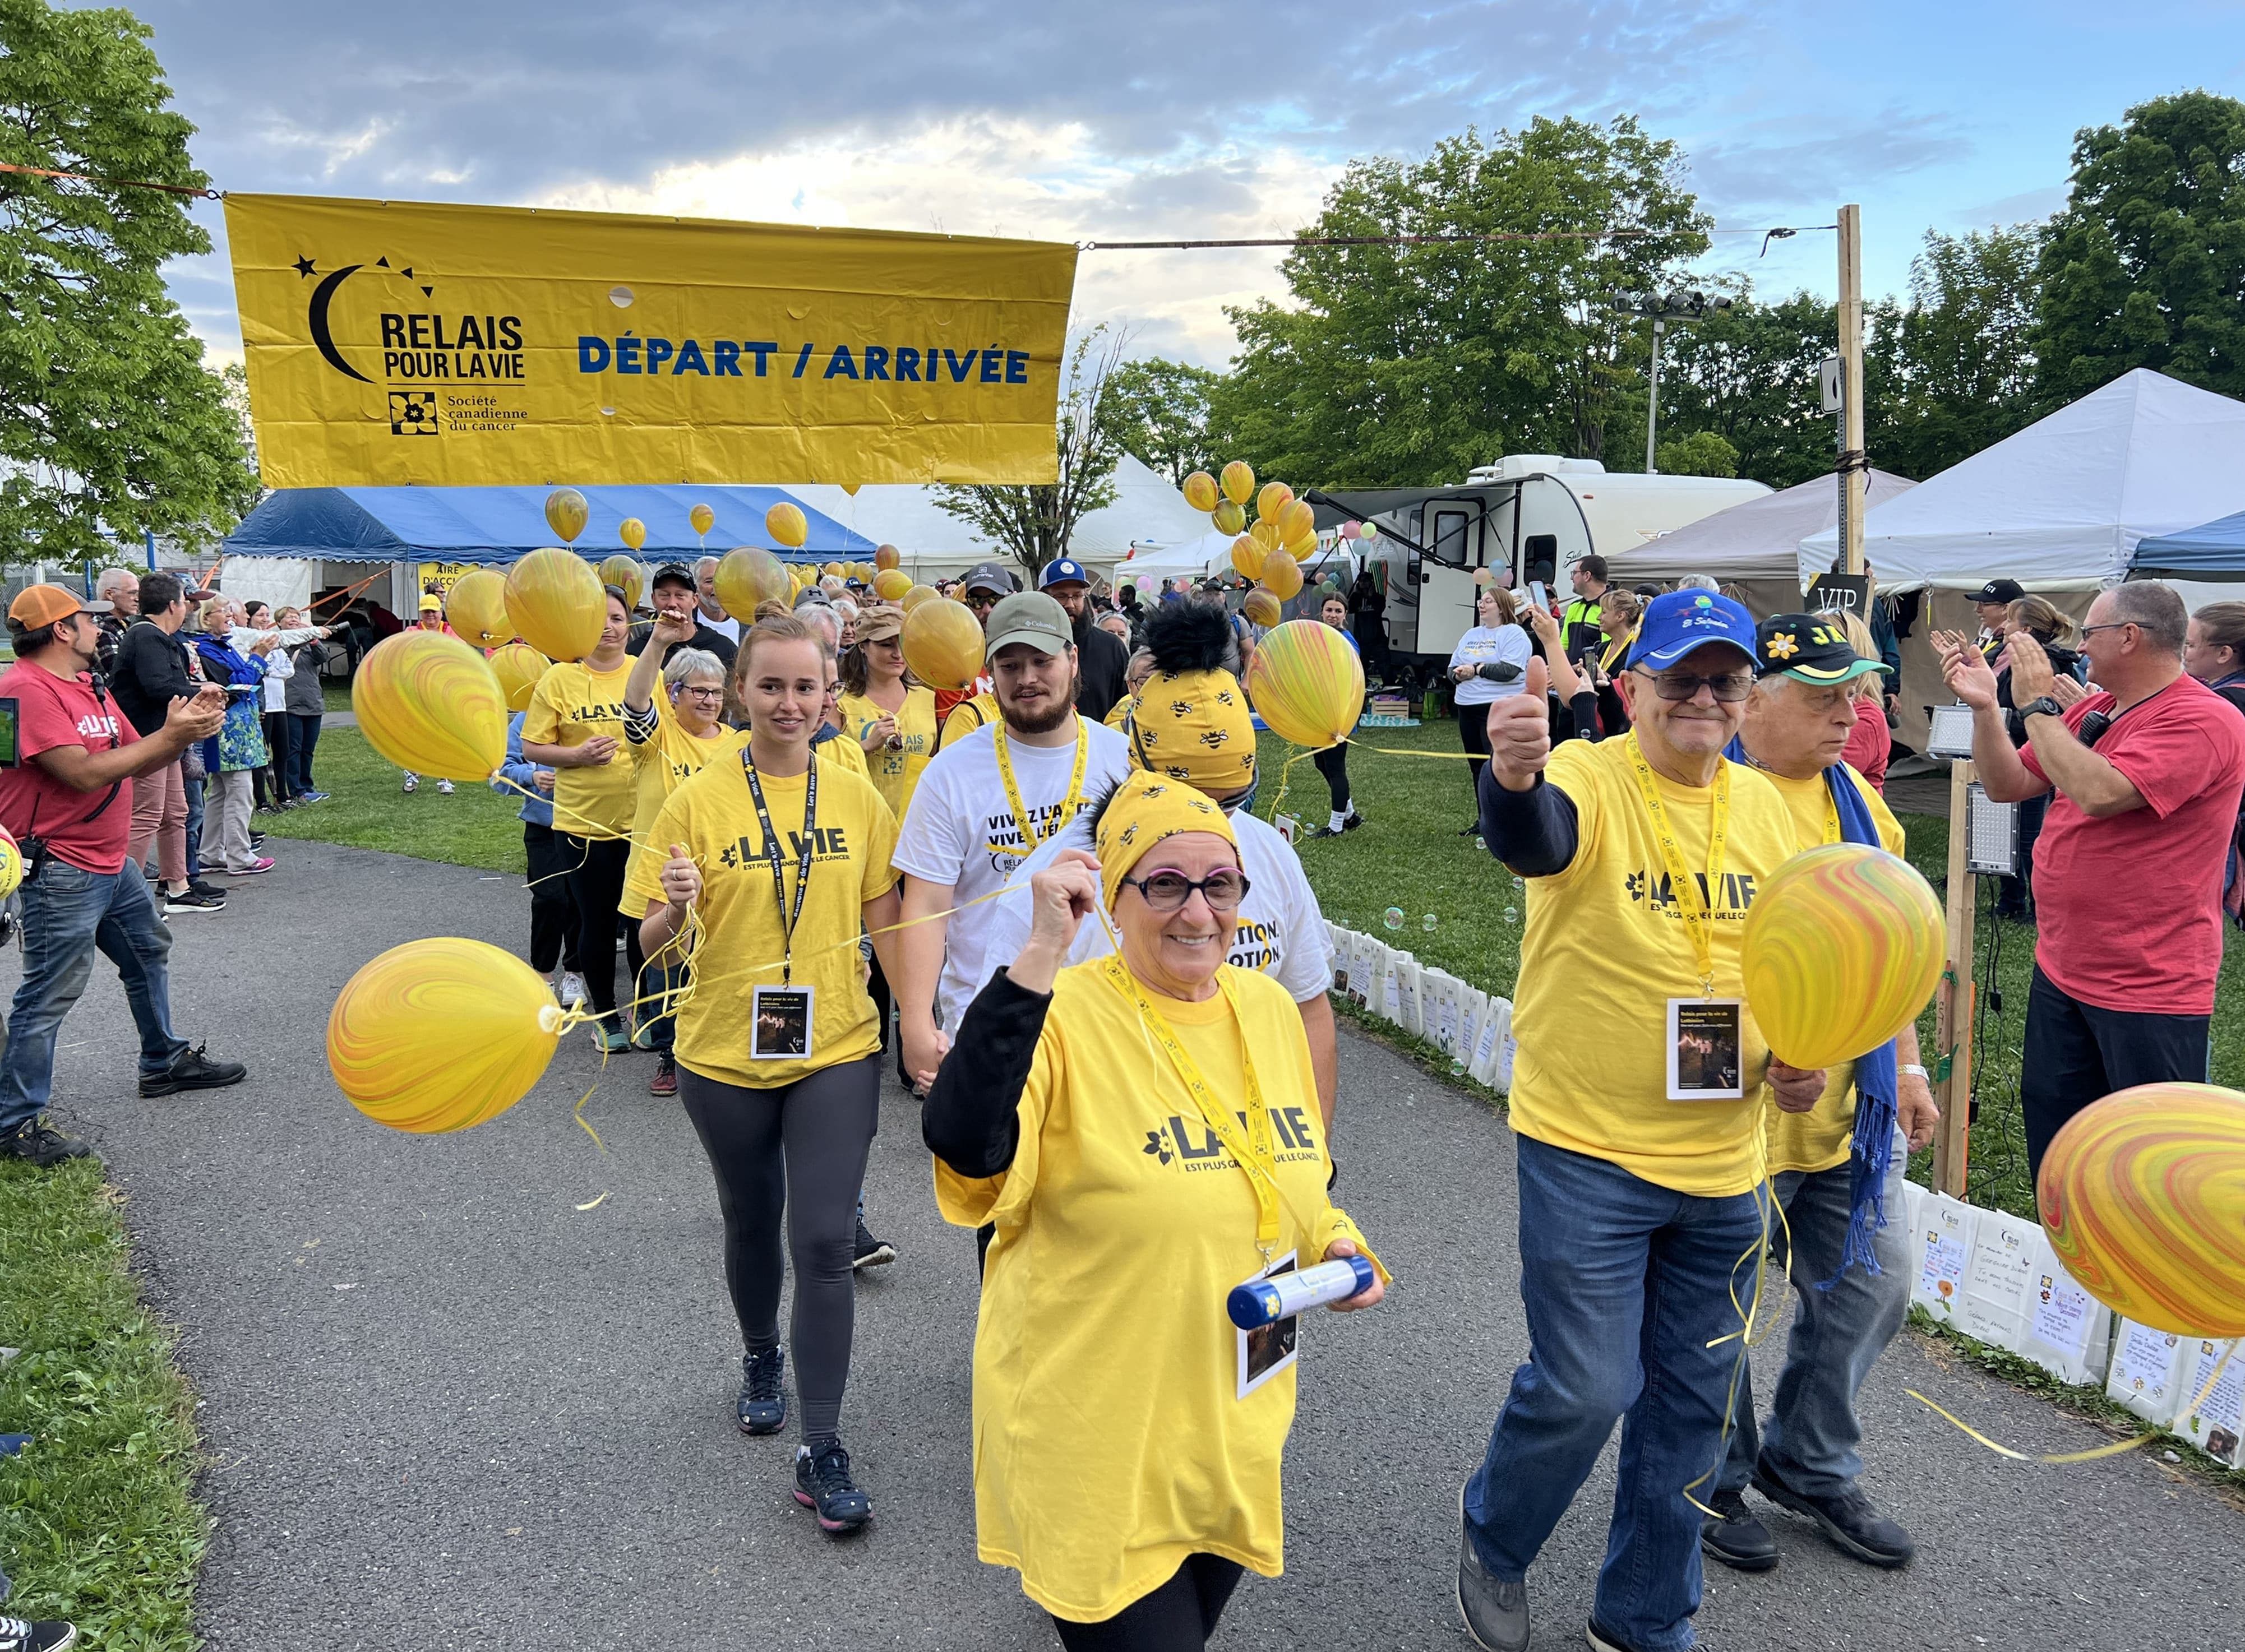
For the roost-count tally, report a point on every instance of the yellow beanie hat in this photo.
(1144, 809)
(1196, 727)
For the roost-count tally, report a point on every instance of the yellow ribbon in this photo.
(1069, 805)
(1697, 903)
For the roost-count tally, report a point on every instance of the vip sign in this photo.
(391, 343)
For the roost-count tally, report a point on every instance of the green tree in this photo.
(2145, 267)
(1964, 360)
(1034, 521)
(1701, 453)
(1412, 364)
(1161, 410)
(108, 418)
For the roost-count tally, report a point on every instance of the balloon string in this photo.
(1766, 1205)
(2092, 1455)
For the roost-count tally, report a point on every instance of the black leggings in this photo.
(596, 883)
(1177, 1617)
(1332, 763)
(1473, 734)
(807, 1139)
(553, 909)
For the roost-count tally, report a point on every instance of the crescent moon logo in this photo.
(323, 295)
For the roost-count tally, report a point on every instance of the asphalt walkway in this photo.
(446, 1407)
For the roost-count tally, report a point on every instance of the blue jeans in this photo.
(68, 913)
(194, 787)
(1625, 1283)
(1810, 1444)
(303, 740)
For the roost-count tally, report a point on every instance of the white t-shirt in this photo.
(1487, 646)
(728, 628)
(1281, 934)
(959, 831)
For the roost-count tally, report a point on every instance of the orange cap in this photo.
(41, 605)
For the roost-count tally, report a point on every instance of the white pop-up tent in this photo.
(1759, 539)
(2061, 505)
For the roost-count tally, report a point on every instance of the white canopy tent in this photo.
(2060, 505)
(1210, 553)
(1760, 539)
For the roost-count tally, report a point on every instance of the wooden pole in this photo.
(1851, 390)
(1952, 1036)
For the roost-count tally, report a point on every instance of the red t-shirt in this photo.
(52, 712)
(1869, 745)
(2129, 908)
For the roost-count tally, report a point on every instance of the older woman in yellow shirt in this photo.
(1143, 1131)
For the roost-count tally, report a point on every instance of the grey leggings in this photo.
(808, 1138)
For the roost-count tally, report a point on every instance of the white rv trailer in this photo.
(1532, 515)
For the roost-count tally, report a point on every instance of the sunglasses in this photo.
(1168, 892)
(1729, 688)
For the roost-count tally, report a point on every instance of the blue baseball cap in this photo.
(1678, 623)
(1062, 571)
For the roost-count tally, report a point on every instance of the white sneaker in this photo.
(572, 990)
(412, 781)
(445, 786)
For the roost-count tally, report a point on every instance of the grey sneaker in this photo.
(1495, 1613)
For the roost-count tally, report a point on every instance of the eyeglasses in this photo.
(2117, 625)
(981, 598)
(1167, 891)
(700, 693)
(1731, 688)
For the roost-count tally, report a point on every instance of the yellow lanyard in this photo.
(1253, 1152)
(1069, 805)
(1698, 919)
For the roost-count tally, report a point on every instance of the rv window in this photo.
(1452, 529)
(1543, 552)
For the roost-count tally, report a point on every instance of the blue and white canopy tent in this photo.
(2212, 551)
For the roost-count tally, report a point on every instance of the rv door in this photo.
(1446, 579)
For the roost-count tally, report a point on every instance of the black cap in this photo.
(1999, 591)
(1811, 646)
(673, 574)
(989, 576)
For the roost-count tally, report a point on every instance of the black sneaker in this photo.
(762, 1408)
(1850, 1519)
(41, 1146)
(196, 886)
(1733, 1536)
(17, 1636)
(193, 1070)
(1356, 820)
(257, 840)
(190, 899)
(872, 1252)
(823, 1484)
(1495, 1612)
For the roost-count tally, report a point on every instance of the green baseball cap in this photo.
(1030, 617)
(1811, 646)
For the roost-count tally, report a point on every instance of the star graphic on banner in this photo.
(304, 266)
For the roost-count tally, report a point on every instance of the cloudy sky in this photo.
(1111, 122)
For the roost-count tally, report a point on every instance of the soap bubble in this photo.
(1519, 886)
(1392, 917)
(1428, 923)
(1512, 914)
(1457, 1068)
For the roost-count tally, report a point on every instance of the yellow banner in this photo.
(437, 578)
(400, 343)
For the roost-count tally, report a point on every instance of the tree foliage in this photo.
(1161, 413)
(1034, 521)
(108, 417)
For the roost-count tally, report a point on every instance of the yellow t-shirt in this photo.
(1119, 710)
(844, 749)
(1109, 1442)
(571, 704)
(1604, 951)
(894, 771)
(1821, 1138)
(967, 716)
(662, 765)
(713, 815)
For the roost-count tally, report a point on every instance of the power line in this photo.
(1780, 232)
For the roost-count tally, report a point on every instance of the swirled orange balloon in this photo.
(2143, 1197)
(1200, 491)
(565, 512)
(441, 1034)
(942, 642)
(917, 595)
(1265, 533)
(12, 866)
(1247, 554)
(887, 556)
(622, 572)
(633, 533)
(702, 517)
(890, 584)
(1307, 682)
(476, 609)
(554, 599)
(787, 524)
(1238, 480)
(1282, 575)
(1273, 498)
(748, 577)
(1298, 519)
(1228, 517)
(518, 666)
(1261, 608)
(428, 702)
(1841, 952)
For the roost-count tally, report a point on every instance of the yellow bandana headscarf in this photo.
(1194, 726)
(1144, 809)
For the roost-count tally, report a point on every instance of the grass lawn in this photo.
(98, 1520)
(367, 808)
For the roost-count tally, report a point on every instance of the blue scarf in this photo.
(1877, 1072)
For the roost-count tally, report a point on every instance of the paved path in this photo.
(447, 1409)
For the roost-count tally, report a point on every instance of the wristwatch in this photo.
(2043, 706)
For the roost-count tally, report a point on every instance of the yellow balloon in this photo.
(12, 866)
(476, 608)
(890, 584)
(441, 1034)
(623, 573)
(554, 600)
(2143, 1197)
(888, 556)
(1247, 556)
(943, 644)
(787, 524)
(1238, 482)
(1261, 608)
(1265, 533)
(633, 533)
(566, 512)
(1282, 575)
(1306, 681)
(1228, 517)
(702, 517)
(749, 576)
(1302, 549)
(1841, 952)
(1274, 497)
(834, 569)
(1298, 519)
(518, 666)
(917, 595)
(1200, 491)
(429, 702)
